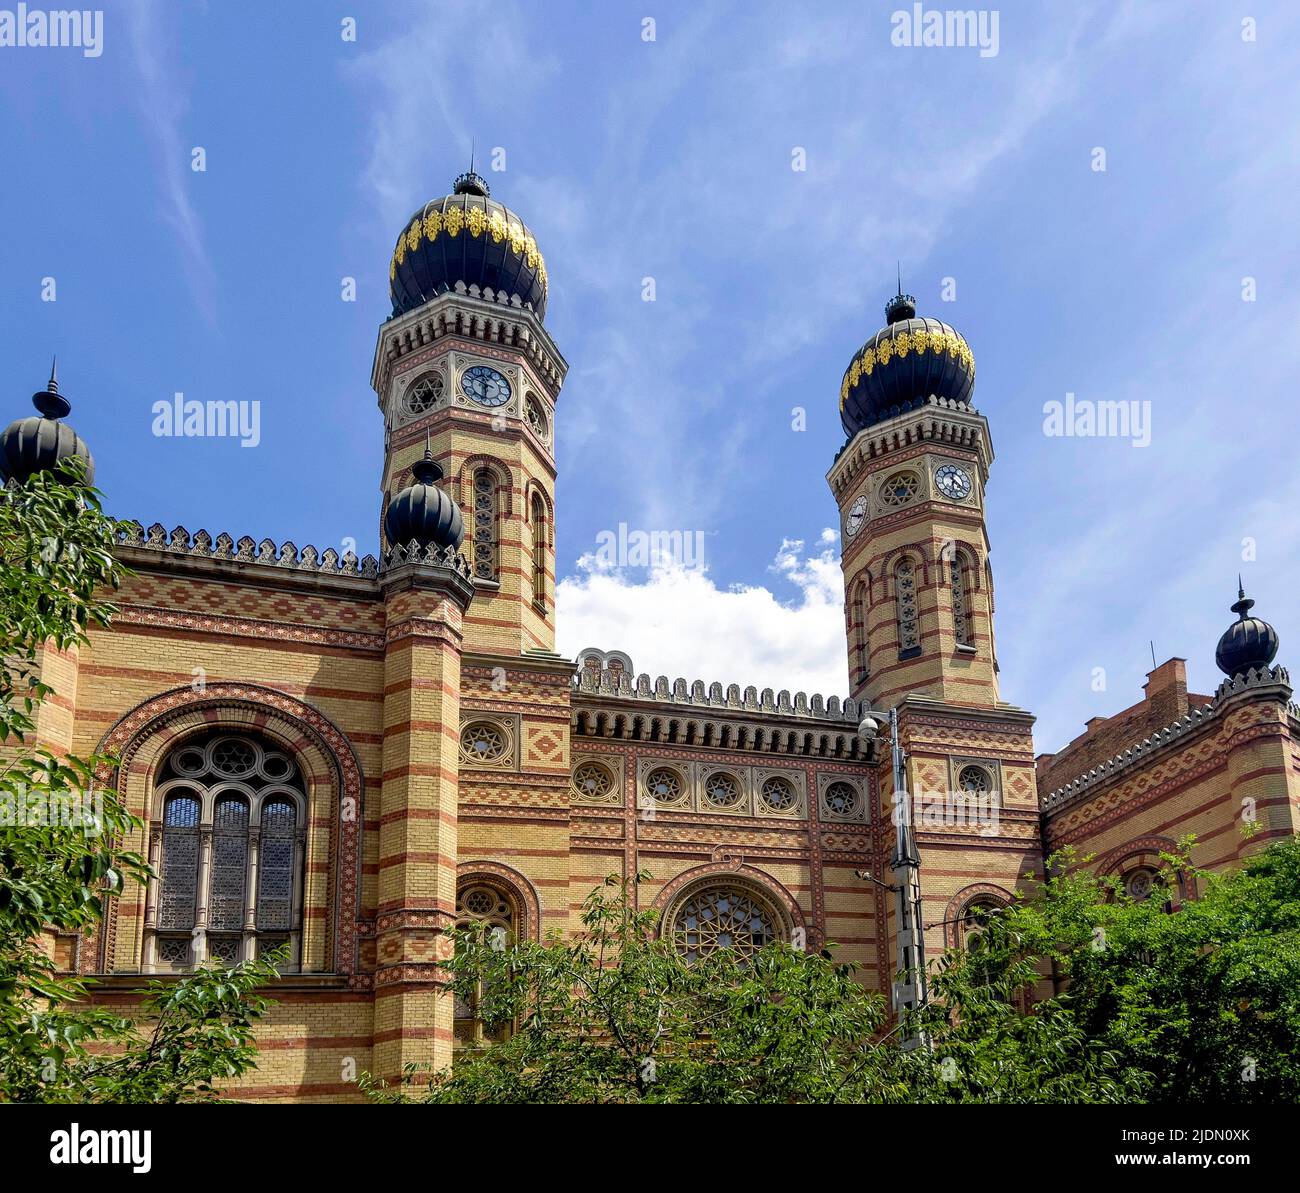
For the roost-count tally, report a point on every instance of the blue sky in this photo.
(672, 159)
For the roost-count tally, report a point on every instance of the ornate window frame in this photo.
(907, 574)
(612, 763)
(976, 894)
(992, 768)
(721, 775)
(335, 797)
(684, 772)
(436, 376)
(507, 725)
(858, 814)
(797, 779)
(792, 926)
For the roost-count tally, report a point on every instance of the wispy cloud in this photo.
(163, 104)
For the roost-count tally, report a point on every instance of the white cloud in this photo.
(677, 622)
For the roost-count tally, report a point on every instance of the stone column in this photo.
(418, 813)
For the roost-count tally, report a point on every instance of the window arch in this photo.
(858, 631)
(723, 915)
(229, 854)
(909, 621)
(538, 513)
(962, 615)
(486, 903)
(484, 490)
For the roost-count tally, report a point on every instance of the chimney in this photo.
(1166, 690)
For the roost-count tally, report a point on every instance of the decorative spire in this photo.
(471, 183)
(427, 471)
(901, 306)
(49, 401)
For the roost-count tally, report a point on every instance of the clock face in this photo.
(953, 482)
(857, 515)
(485, 386)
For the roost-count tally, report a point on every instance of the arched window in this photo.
(228, 852)
(481, 903)
(909, 622)
(961, 611)
(485, 525)
(539, 551)
(723, 916)
(974, 917)
(858, 632)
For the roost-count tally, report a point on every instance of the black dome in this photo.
(422, 512)
(904, 363)
(38, 444)
(466, 237)
(1248, 644)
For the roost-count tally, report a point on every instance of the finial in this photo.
(427, 471)
(899, 266)
(49, 401)
(1244, 604)
(471, 183)
(901, 306)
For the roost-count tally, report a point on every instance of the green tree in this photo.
(60, 854)
(615, 1014)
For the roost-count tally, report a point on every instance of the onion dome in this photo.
(32, 445)
(1249, 644)
(466, 237)
(902, 365)
(422, 512)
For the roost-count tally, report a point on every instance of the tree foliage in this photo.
(61, 859)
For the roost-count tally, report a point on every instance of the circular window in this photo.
(190, 761)
(479, 901)
(664, 785)
(900, 488)
(232, 756)
(778, 794)
(276, 766)
(483, 742)
(722, 790)
(425, 394)
(1141, 884)
(592, 781)
(722, 917)
(974, 780)
(842, 799)
(536, 417)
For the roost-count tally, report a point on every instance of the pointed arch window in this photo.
(539, 551)
(485, 525)
(909, 621)
(962, 619)
(228, 851)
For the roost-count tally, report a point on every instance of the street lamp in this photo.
(910, 991)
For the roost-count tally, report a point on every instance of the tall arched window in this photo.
(858, 632)
(228, 853)
(480, 902)
(909, 622)
(961, 610)
(485, 525)
(539, 551)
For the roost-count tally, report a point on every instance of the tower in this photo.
(910, 487)
(910, 484)
(465, 362)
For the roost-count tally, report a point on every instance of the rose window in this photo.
(1140, 884)
(483, 742)
(425, 394)
(900, 488)
(842, 799)
(722, 918)
(778, 794)
(664, 785)
(230, 756)
(722, 790)
(592, 781)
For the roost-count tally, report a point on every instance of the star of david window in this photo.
(909, 623)
(594, 783)
(664, 786)
(485, 525)
(722, 916)
(722, 790)
(778, 794)
(483, 743)
(228, 847)
(842, 799)
(425, 394)
(974, 780)
(899, 489)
